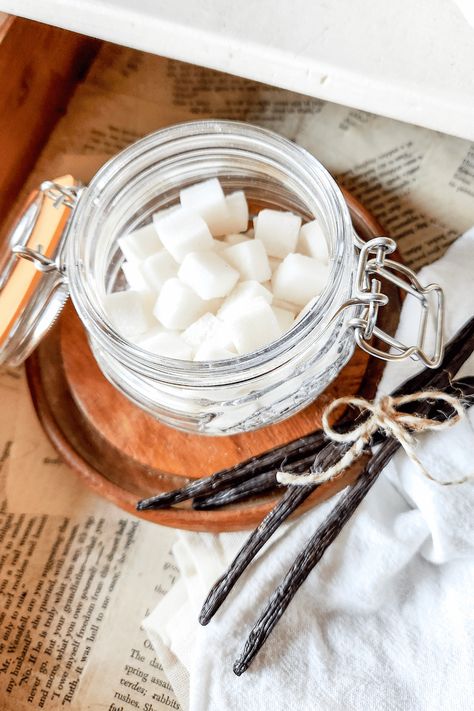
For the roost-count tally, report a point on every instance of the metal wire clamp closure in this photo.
(373, 266)
(60, 195)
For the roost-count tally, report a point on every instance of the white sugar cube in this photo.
(278, 231)
(134, 276)
(250, 260)
(287, 305)
(129, 312)
(158, 216)
(148, 300)
(140, 244)
(219, 245)
(251, 288)
(208, 329)
(244, 291)
(213, 305)
(208, 200)
(184, 231)
(232, 238)
(178, 305)
(213, 351)
(274, 262)
(299, 278)
(284, 317)
(253, 326)
(312, 241)
(208, 274)
(159, 268)
(169, 344)
(149, 333)
(237, 213)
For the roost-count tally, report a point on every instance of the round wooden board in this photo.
(124, 454)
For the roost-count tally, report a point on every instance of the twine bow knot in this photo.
(383, 415)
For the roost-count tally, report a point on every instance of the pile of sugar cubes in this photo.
(203, 286)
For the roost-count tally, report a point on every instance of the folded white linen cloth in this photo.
(386, 619)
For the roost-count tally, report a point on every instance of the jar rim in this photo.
(88, 304)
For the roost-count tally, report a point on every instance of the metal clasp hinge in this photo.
(42, 263)
(374, 265)
(60, 195)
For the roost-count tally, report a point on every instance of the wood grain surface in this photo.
(39, 69)
(124, 454)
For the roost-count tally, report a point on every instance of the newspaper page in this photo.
(417, 182)
(77, 576)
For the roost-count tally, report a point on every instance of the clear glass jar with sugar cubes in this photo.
(217, 396)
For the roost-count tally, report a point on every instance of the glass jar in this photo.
(248, 391)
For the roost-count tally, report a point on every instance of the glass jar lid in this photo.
(33, 284)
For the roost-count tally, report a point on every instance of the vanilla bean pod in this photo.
(289, 502)
(259, 484)
(457, 351)
(326, 533)
(311, 554)
(272, 459)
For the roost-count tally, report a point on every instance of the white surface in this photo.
(278, 231)
(183, 231)
(299, 278)
(467, 9)
(128, 312)
(178, 306)
(245, 290)
(208, 200)
(140, 244)
(208, 329)
(208, 275)
(134, 276)
(253, 326)
(409, 60)
(312, 241)
(168, 344)
(157, 269)
(238, 213)
(250, 259)
(386, 619)
(284, 317)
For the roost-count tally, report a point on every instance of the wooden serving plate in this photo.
(124, 454)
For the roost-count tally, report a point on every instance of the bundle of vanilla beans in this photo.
(312, 452)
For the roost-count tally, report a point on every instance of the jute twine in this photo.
(383, 415)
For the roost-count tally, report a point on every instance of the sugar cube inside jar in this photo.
(201, 276)
(212, 275)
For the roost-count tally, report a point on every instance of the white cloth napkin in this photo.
(467, 9)
(385, 621)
